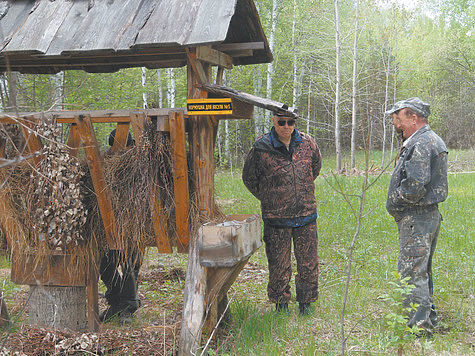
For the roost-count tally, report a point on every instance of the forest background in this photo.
(341, 63)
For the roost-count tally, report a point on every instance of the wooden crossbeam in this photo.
(94, 161)
(214, 57)
(180, 179)
(92, 294)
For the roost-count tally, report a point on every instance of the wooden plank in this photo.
(94, 161)
(120, 137)
(202, 140)
(219, 280)
(138, 126)
(92, 295)
(180, 179)
(32, 140)
(74, 141)
(213, 57)
(249, 98)
(3, 145)
(97, 116)
(159, 223)
(40, 27)
(197, 67)
(193, 303)
(51, 270)
(236, 47)
(11, 225)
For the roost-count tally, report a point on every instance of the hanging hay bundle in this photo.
(56, 208)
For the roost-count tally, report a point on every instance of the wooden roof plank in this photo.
(103, 26)
(12, 17)
(40, 28)
(211, 22)
(169, 23)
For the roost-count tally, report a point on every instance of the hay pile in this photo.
(47, 206)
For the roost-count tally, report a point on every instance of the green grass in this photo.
(257, 330)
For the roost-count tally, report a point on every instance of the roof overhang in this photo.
(107, 35)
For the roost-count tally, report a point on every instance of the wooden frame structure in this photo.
(196, 33)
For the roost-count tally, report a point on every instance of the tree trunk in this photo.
(270, 66)
(386, 94)
(171, 93)
(160, 91)
(58, 307)
(295, 85)
(144, 88)
(353, 91)
(337, 89)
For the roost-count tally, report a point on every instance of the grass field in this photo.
(257, 330)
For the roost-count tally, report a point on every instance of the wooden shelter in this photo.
(105, 36)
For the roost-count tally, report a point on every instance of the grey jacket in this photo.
(419, 180)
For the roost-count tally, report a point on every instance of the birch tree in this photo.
(171, 88)
(144, 88)
(354, 86)
(337, 89)
(270, 66)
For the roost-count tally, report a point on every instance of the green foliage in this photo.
(398, 333)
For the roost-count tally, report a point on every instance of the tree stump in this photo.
(58, 307)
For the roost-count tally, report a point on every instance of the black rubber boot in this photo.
(305, 309)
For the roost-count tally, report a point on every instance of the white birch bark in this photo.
(295, 80)
(270, 66)
(160, 91)
(353, 91)
(171, 88)
(144, 88)
(337, 89)
(386, 94)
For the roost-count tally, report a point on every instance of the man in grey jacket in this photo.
(418, 184)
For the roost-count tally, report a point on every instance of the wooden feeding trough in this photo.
(105, 36)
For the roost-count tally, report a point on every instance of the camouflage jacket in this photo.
(283, 179)
(419, 179)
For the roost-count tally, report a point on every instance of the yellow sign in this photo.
(214, 106)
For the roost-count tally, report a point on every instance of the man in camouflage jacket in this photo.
(280, 171)
(418, 184)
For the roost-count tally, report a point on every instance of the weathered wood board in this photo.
(226, 244)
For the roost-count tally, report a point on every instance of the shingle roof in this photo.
(46, 36)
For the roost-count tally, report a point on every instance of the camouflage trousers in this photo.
(417, 241)
(278, 249)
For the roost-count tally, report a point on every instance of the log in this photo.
(58, 307)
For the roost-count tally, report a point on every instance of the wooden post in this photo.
(92, 294)
(120, 137)
(32, 140)
(201, 139)
(74, 141)
(94, 161)
(180, 178)
(138, 125)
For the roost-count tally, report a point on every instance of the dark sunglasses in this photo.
(290, 122)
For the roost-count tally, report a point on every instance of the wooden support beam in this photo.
(120, 137)
(3, 145)
(74, 141)
(49, 270)
(180, 179)
(201, 74)
(94, 161)
(138, 126)
(193, 303)
(160, 223)
(230, 47)
(214, 57)
(32, 140)
(92, 295)
(219, 280)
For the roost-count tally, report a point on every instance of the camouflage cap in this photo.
(415, 104)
